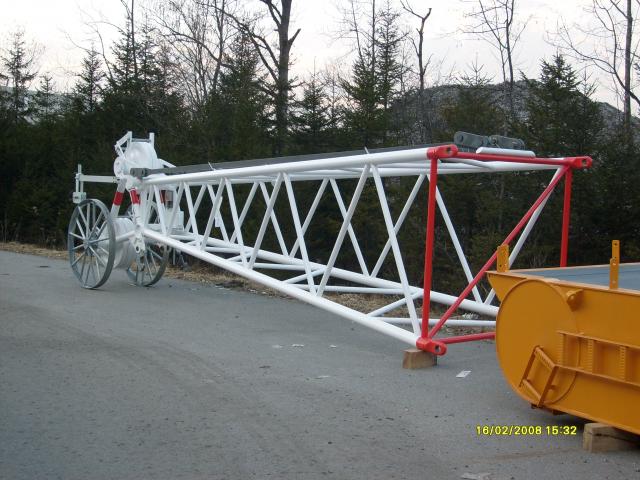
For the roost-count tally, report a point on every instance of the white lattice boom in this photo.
(197, 210)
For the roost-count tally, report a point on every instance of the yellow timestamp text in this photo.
(522, 430)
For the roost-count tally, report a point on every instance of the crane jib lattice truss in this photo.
(194, 210)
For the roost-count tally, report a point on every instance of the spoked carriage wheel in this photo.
(149, 267)
(91, 243)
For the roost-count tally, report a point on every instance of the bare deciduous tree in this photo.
(613, 48)
(423, 64)
(275, 57)
(494, 22)
(128, 32)
(353, 29)
(198, 33)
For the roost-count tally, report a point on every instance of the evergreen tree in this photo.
(238, 112)
(139, 95)
(311, 118)
(88, 88)
(46, 104)
(335, 131)
(473, 109)
(389, 68)
(478, 206)
(363, 116)
(374, 82)
(19, 71)
(560, 120)
(561, 117)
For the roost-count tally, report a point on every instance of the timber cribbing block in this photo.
(414, 358)
(599, 437)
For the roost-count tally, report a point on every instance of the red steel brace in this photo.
(439, 347)
(566, 218)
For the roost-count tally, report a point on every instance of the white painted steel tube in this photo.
(299, 234)
(392, 306)
(349, 276)
(343, 229)
(125, 236)
(96, 178)
(506, 151)
(326, 164)
(328, 167)
(271, 201)
(310, 213)
(318, 175)
(352, 233)
(349, 289)
(332, 307)
(276, 266)
(456, 243)
(395, 249)
(452, 322)
(396, 228)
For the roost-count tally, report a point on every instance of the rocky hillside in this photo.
(439, 97)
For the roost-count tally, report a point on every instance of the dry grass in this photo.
(33, 250)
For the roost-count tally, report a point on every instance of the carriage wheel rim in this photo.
(91, 243)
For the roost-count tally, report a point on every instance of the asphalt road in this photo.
(194, 381)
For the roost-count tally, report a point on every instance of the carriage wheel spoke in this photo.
(84, 235)
(93, 274)
(89, 268)
(148, 269)
(78, 258)
(95, 254)
(84, 229)
(153, 260)
(83, 265)
(104, 223)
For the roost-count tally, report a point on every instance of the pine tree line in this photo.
(376, 104)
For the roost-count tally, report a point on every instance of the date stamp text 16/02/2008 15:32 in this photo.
(518, 430)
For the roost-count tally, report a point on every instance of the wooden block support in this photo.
(598, 437)
(415, 358)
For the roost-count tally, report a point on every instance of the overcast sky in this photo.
(58, 24)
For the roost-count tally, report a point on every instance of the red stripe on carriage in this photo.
(162, 196)
(135, 199)
(117, 198)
